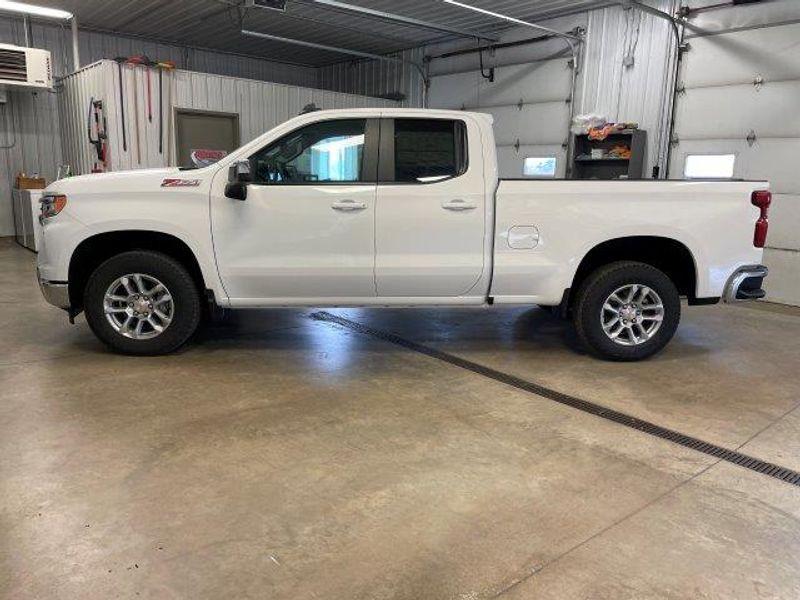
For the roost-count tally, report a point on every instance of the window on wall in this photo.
(542, 167)
(325, 152)
(709, 166)
(429, 150)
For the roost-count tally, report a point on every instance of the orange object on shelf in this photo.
(601, 133)
(620, 151)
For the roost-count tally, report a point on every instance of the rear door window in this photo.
(429, 150)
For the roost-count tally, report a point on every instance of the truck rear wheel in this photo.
(626, 311)
(142, 302)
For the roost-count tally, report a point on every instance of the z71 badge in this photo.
(180, 183)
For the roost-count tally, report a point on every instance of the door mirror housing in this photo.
(238, 178)
(236, 190)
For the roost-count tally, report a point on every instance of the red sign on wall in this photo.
(202, 157)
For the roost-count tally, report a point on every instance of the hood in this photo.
(124, 180)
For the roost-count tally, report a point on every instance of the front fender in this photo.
(200, 248)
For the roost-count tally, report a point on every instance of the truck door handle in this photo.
(458, 205)
(348, 205)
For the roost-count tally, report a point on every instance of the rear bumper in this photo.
(55, 292)
(746, 283)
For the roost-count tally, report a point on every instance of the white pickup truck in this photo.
(376, 207)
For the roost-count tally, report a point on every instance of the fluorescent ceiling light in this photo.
(32, 9)
(490, 13)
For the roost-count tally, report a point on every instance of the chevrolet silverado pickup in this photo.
(377, 207)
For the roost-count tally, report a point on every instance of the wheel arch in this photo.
(667, 254)
(91, 252)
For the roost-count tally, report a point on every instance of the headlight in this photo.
(52, 204)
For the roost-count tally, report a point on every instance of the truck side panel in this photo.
(545, 228)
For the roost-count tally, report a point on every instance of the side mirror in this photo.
(238, 178)
(236, 190)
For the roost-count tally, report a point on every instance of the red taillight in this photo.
(762, 199)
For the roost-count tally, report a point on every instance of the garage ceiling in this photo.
(214, 24)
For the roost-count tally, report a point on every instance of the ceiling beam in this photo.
(403, 20)
(382, 57)
(316, 46)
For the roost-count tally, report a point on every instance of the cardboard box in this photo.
(24, 182)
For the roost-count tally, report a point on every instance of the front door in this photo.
(306, 232)
(430, 221)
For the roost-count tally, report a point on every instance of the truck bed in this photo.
(714, 220)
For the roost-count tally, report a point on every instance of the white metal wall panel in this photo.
(784, 220)
(765, 159)
(741, 58)
(784, 268)
(757, 14)
(533, 124)
(530, 83)
(741, 77)
(732, 111)
(377, 78)
(455, 91)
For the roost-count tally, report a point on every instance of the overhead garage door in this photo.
(740, 95)
(528, 99)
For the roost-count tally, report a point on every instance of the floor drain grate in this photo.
(731, 456)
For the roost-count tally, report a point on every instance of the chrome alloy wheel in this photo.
(138, 306)
(632, 314)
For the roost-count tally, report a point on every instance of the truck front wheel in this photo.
(626, 311)
(142, 302)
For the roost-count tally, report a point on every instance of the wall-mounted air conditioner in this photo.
(25, 67)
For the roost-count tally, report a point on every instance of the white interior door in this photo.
(741, 97)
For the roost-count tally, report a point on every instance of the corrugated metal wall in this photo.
(260, 106)
(630, 93)
(375, 78)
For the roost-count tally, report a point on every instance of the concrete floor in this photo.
(282, 457)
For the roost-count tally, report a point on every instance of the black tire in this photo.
(181, 286)
(596, 289)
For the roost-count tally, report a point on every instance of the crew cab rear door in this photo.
(430, 209)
